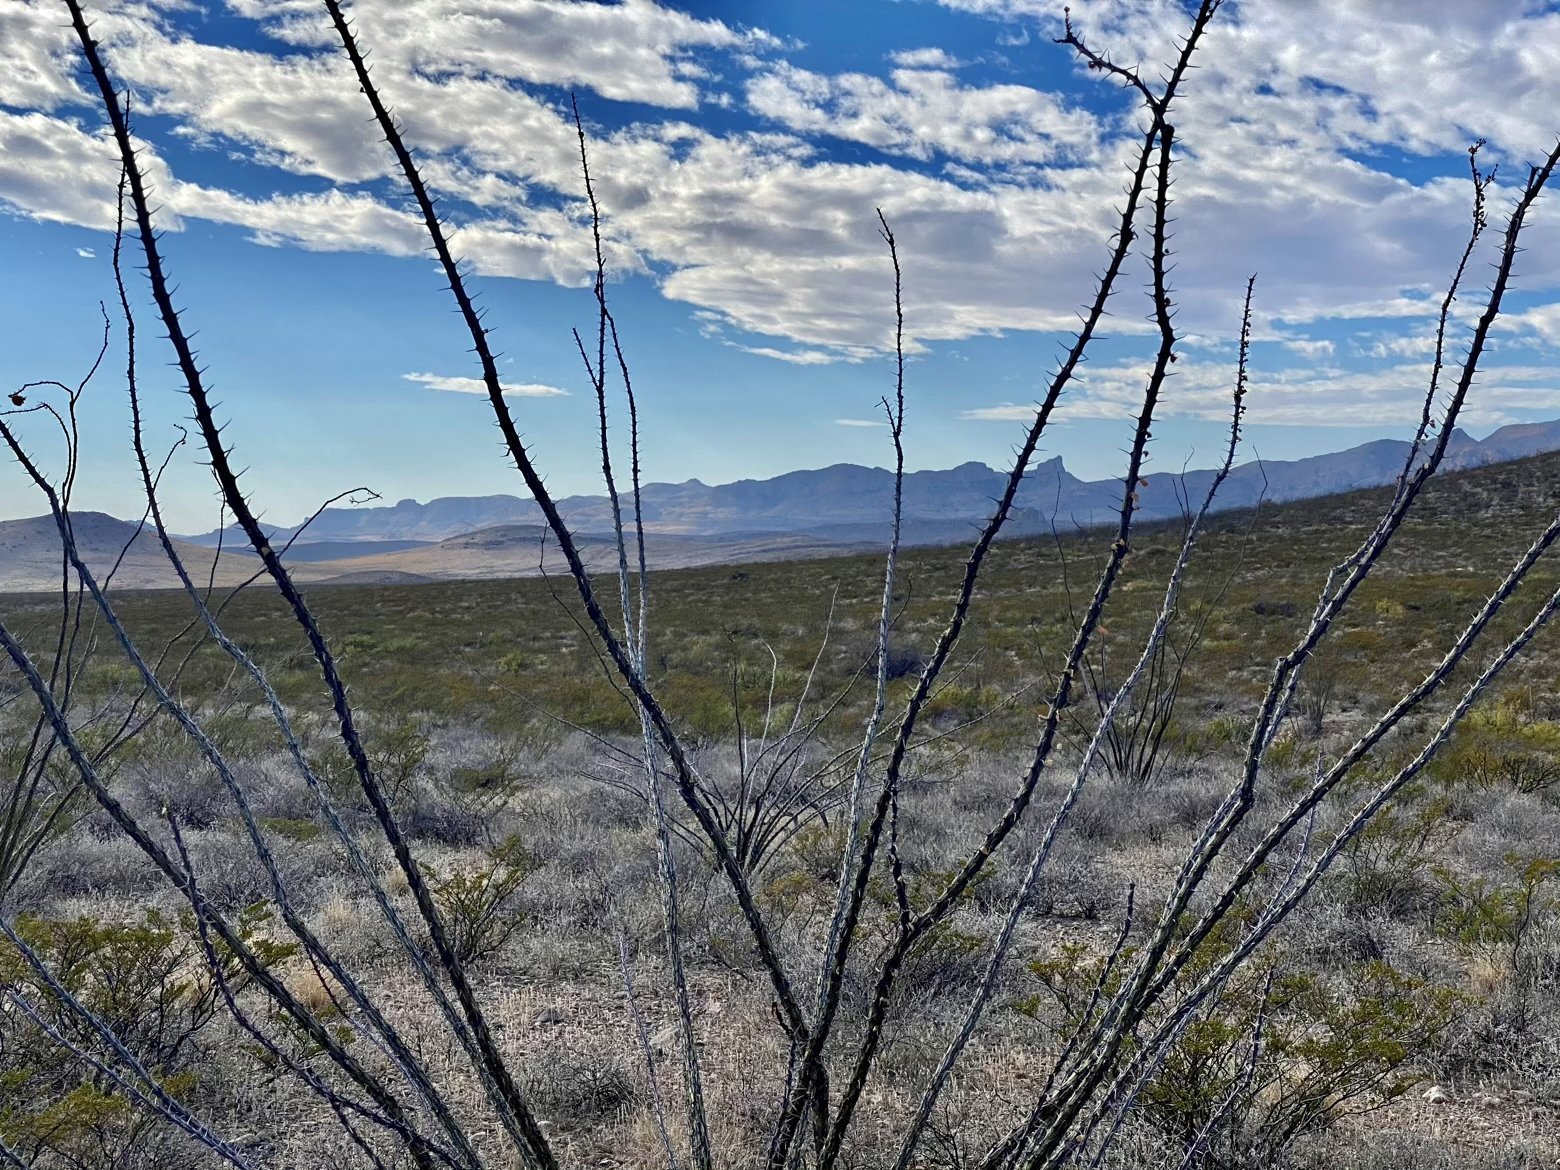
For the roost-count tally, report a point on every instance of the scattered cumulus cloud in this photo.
(1007, 412)
(797, 357)
(1310, 348)
(86, 253)
(1412, 345)
(1310, 396)
(925, 112)
(929, 58)
(458, 385)
(1542, 320)
(630, 51)
(762, 221)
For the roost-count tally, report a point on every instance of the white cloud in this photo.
(1321, 396)
(1000, 195)
(797, 357)
(1007, 412)
(1407, 74)
(86, 253)
(38, 47)
(1413, 345)
(859, 422)
(458, 385)
(53, 169)
(1541, 320)
(924, 113)
(333, 221)
(632, 51)
(928, 58)
(1310, 347)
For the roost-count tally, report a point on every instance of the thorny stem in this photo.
(947, 899)
(634, 640)
(684, 774)
(534, 1144)
(1156, 972)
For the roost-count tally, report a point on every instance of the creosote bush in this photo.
(65, 982)
(478, 903)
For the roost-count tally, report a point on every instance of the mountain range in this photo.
(801, 514)
(847, 503)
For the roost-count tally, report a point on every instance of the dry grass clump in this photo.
(555, 989)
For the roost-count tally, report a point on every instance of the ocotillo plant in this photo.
(383, 1093)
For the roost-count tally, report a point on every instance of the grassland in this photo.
(505, 653)
(1431, 955)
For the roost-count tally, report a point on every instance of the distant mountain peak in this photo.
(824, 512)
(848, 499)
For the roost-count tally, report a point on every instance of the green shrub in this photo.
(147, 982)
(1502, 746)
(396, 755)
(1388, 867)
(1326, 1050)
(1495, 922)
(477, 905)
(1278, 1056)
(293, 828)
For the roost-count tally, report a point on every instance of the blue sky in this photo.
(741, 149)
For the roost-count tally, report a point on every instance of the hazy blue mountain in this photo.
(1520, 440)
(120, 553)
(850, 503)
(797, 515)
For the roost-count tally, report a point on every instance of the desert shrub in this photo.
(396, 754)
(167, 769)
(233, 877)
(1191, 805)
(1503, 746)
(1388, 868)
(1264, 607)
(434, 814)
(958, 703)
(902, 662)
(579, 1088)
(487, 784)
(39, 802)
(1319, 687)
(1403, 1151)
(1496, 919)
(1220, 731)
(1074, 886)
(947, 964)
(797, 899)
(477, 903)
(1103, 816)
(1278, 1056)
(147, 982)
(1291, 752)
(1146, 735)
(816, 849)
(1339, 937)
(1494, 922)
(1323, 1052)
(93, 866)
(293, 828)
